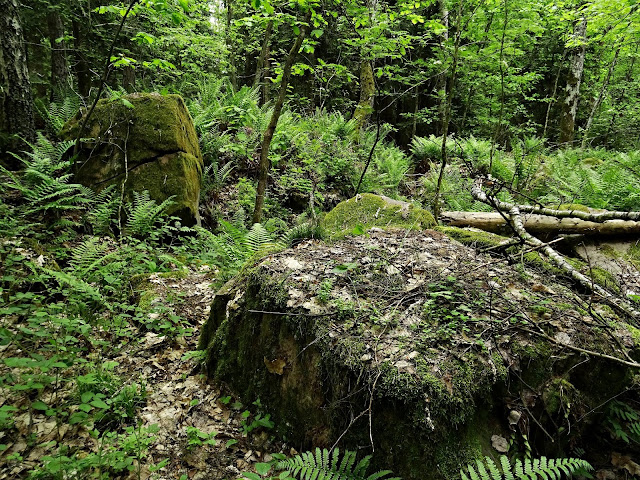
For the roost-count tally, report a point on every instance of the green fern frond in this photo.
(324, 465)
(528, 469)
(143, 213)
(258, 239)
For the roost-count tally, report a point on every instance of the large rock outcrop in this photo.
(415, 345)
(150, 140)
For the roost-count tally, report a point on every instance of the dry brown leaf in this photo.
(624, 461)
(499, 443)
(275, 366)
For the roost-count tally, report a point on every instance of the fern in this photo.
(103, 211)
(143, 214)
(44, 184)
(64, 106)
(624, 421)
(528, 469)
(325, 465)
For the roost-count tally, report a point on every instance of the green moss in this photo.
(162, 151)
(473, 238)
(182, 273)
(146, 300)
(368, 210)
(635, 334)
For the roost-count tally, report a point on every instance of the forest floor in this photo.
(179, 399)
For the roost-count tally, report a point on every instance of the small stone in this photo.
(514, 417)
(563, 338)
(499, 443)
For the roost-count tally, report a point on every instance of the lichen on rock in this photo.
(150, 140)
(411, 343)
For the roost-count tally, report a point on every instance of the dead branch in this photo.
(516, 222)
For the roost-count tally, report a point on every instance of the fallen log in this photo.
(512, 215)
(534, 223)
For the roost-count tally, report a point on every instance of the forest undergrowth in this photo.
(77, 267)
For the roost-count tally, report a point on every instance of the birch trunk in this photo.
(17, 102)
(572, 89)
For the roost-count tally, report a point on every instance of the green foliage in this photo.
(143, 214)
(623, 421)
(525, 470)
(320, 465)
(44, 182)
(57, 112)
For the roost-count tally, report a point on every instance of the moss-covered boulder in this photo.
(147, 139)
(367, 210)
(421, 347)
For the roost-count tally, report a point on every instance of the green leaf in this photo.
(296, 30)
(39, 405)
(99, 404)
(86, 397)
(263, 468)
(251, 476)
(127, 103)
(184, 4)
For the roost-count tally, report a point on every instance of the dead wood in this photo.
(515, 220)
(537, 223)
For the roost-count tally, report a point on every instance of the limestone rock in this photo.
(152, 136)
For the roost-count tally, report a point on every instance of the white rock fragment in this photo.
(499, 443)
(563, 338)
(292, 264)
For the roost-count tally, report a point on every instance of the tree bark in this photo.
(129, 79)
(596, 104)
(446, 117)
(265, 163)
(367, 92)
(59, 65)
(262, 60)
(81, 68)
(572, 89)
(233, 75)
(441, 79)
(17, 101)
(537, 224)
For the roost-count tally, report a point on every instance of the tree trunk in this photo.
(621, 97)
(367, 92)
(17, 101)
(129, 79)
(553, 97)
(262, 60)
(59, 65)
(441, 79)
(233, 75)
(446, 118)
(572, 90)
(265, 163)
(81, 68)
